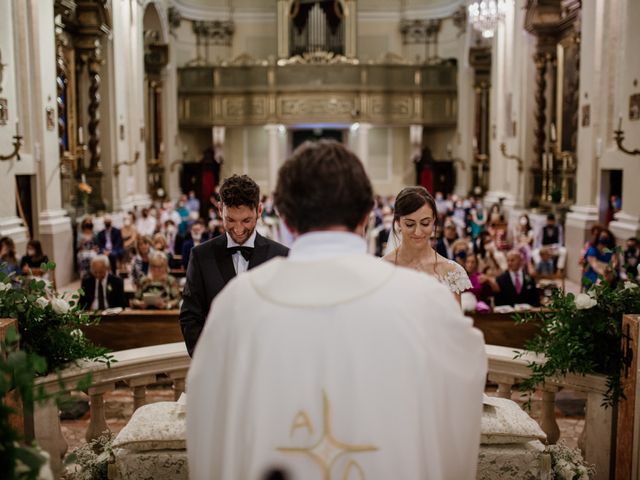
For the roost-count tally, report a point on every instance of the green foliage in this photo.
(582, 335)
(17, 370)
(50, 324)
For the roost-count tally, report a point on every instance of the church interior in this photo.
(520, 117)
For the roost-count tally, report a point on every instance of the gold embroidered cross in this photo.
(328, 448)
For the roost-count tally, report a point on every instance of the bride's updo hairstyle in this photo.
(411, 199)
(408, 201)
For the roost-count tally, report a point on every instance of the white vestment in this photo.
(332, 364)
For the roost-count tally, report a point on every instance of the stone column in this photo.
(54, 227)
(351, 29)
(362, 145)
(94, 173)
(273, 155)
(10, 223)
(283, 28)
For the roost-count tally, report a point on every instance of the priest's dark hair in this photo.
(240, 190)
(323, 184)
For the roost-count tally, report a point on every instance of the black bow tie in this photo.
(246, 252)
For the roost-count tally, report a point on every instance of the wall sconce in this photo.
(17, 143)
(618, 135)
(503, 150)
(128, 163)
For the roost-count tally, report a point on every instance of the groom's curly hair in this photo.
(323, 184)
(240, 190)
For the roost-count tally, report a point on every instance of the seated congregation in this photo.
(326, 291)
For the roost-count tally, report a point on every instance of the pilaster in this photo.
(577, 228)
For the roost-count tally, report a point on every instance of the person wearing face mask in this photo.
(602, 261)
(87, 248)
(129, 236)
(110, 242)
(146, 224)
(8, 261)
(491, 260)
(212, 264)
(196, 236)
(445, 244)
(34, 257)
(478, 219)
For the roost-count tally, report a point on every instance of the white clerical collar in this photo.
(249, 243)
(326, 244)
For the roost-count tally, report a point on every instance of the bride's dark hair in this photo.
(408, 201)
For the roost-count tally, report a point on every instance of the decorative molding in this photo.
(214, 32)
(197, 12)
(245, 60)
(52, 222)
(14, 228)
(420, 31)
(442, 11)
(318, 58)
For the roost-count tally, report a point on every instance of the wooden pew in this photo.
(136, 328)
(501, 329)
(144, 328)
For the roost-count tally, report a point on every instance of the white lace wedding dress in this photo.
(455, 279)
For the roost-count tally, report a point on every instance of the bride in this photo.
(416, 217)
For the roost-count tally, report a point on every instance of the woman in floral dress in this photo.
(416, 218)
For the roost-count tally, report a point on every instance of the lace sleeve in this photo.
(456, 279)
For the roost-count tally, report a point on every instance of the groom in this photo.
(213, 263)
(331, 363)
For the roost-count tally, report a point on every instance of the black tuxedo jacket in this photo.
(508, 296)
(441, 248)
(114, 294)
(116, 241)
(210, 268)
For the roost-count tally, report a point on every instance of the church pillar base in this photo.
(12, 227)
(625, 226)
(56, 236)
(577, 230)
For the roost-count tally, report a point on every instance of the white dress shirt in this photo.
(94, 305)
(239, 263)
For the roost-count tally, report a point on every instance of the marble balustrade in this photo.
(141, 367)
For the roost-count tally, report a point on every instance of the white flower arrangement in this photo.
(630, 285)
(60, 305)
(42, 302)
(568, 464)
(585, 301)
(4, 286)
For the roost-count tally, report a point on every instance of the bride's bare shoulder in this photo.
(391, 257)
(444, 265)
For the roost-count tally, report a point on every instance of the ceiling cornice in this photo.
(196, 12)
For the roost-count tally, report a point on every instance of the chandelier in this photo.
(484, 15)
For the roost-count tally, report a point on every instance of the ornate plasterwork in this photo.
(317, 58)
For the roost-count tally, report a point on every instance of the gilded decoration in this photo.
(321, 106)
(251, 91)
(315, 58)
(328, 449)
(243, 107)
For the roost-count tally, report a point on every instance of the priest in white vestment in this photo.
(332, 364)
